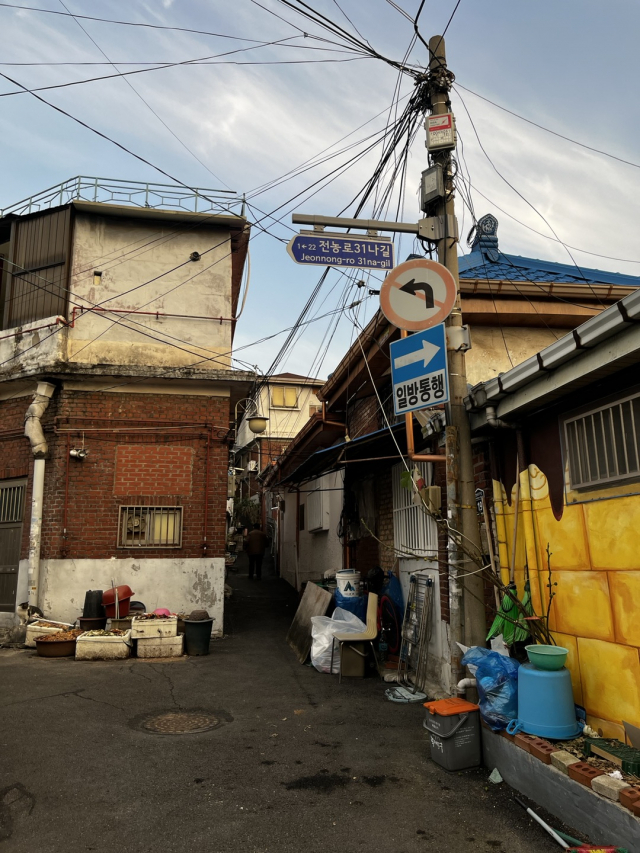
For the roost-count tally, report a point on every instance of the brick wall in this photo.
(363, 417)
(153, 470)
(160, 463)
(384, 508)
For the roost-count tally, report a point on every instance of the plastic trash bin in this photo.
(454, 733)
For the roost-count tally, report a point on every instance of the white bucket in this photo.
(348, 583)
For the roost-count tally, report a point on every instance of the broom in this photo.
(508, 614)
(521, 631)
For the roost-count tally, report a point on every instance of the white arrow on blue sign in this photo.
(419, 370)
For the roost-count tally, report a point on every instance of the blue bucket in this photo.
(545, 704)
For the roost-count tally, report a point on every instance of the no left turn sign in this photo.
(417, 295)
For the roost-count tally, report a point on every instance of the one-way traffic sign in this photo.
(419, 370)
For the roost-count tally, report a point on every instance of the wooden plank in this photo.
(315, 602)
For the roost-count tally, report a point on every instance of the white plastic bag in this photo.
(324, 629)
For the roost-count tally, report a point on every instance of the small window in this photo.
(602, 445)
(284, 397)
(150, 527)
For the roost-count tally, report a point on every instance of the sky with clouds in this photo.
(263, 98)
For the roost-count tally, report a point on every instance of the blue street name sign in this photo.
(419, 370)
(340, 250)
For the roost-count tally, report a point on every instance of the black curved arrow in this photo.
(412, 288)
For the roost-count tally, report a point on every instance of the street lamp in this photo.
(256, 422)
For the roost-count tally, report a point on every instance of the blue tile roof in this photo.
(486, 261)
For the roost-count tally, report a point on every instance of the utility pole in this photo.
(464, 515)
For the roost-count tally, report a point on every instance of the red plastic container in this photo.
(124, 594)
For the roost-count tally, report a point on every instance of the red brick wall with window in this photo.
(135, 456)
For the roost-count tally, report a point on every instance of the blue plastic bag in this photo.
(497, 683)
(393, 589)
(356, 605)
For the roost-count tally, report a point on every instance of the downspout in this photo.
(39, 449)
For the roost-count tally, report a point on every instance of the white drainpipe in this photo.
(464, 684)
(33, 431)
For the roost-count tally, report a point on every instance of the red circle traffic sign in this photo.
(418, 294)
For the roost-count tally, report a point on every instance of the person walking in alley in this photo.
(256, 546)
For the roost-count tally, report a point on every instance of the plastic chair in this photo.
(366, 636)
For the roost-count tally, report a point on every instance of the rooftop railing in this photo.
(133, 193)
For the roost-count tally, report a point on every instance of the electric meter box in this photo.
(431, 187)
(441, 132)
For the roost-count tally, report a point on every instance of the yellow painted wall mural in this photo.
(595, 562)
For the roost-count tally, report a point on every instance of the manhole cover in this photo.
(180, 723)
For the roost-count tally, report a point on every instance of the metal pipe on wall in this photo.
(33, 431)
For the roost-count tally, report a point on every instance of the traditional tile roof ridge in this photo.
(486, 261)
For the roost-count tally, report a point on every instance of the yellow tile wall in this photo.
(610, 676)
(595, 563)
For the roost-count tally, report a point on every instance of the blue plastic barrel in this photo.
(545, 704)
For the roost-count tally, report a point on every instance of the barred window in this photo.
(602, 445)
(150, 527)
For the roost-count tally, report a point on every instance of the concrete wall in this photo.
(181, 585)
(282, 423)
(103, 243)
(40, 344)
(321, 551)
(496, 350)
(316, 552)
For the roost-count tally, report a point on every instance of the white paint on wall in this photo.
(283, 422)
(318, 552)
(181, 585)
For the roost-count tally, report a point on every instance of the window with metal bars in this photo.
(11, 502)
(414, 531)
(602, 444)
(150, 527)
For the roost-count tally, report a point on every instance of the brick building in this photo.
(117, 395)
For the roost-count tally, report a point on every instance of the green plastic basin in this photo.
(547, 657)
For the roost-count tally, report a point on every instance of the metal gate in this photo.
(415, 533)
(12, 494)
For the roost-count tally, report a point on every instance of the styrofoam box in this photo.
(144, 629)
(160, 647)
(34, 631)
(103, 648)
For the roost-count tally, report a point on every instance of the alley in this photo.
(296, 762)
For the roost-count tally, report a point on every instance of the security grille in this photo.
(11, 503)
(12, 494)
(150, 527)
(602, 445)
(414, 532)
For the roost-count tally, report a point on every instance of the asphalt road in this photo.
(295, 763)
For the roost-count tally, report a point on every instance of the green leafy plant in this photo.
(247, 512)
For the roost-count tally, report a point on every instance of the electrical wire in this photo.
(548, 129)
(141, 24)
(141, 98)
